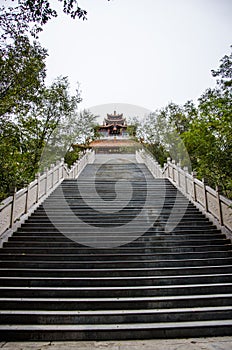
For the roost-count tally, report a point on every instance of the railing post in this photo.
(77, 168)
(220, 218)
(27, 199)
(13, 206)
(178, 174)
(173, 169)
(37, 176)
(185, 179)
(205, 182)
(57, 171)
(52, 174)
(62, 169)
(46, 180)
(194, 175)
(163, 173)
(168, 165)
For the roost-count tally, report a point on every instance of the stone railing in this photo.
(16, 208)
(217, 207)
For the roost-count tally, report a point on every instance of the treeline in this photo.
(201, 132)
(38, 123)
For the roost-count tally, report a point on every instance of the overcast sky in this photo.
(140, 52)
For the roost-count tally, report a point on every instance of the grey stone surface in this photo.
(217, 343)
(114, 158)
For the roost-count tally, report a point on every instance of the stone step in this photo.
(114, 281)
(81, 223)
(131, 241)
(115, 258)
(113, 332)
(86, 229)
(212, 238)
(155, 232)
(123, 217)
(166, 208)
(118, 303)
(154, 242)
(144, 252)
(161, 219)
(76, 264)
(27, 317)
(126, 272)
(117, 292)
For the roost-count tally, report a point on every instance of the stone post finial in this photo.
(194, 174)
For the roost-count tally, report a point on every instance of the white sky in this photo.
(140, 52)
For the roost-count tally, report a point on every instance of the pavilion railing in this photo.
(16, 208)
(217, 207)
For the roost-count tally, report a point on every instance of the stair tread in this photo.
(98, 327)
(115, 312)
(117, 278)
(142, 287)
(117, 299)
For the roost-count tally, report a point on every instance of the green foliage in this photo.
(30, 15)
(74, 128)
(72, 156)
(86, 127)
(159, 133)
(96, 133)
(24, 137)
(133, 124)
(22, 74)
(37, 123)
(224, 73)
(15, 168)
(209, 140)
(158, 151)
(204, 131)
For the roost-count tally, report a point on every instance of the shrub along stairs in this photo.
(95, 265)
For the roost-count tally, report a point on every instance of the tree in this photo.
(202, 133)
(30, 112)
(22, 74)
(224, 73)
(83, 131)
(160, 132)
(209, 136)
(132, 126)
(75, 129)
(17, 20)
(209, 139)
(54, 106)
(24, 137)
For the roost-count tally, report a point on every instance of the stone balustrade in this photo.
(16, 208)
(214, 205)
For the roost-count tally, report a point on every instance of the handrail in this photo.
(14, 209)
(208, 200)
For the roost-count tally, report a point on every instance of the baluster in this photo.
(185, 179)
(218, 191)
(37, 176)
(178, 174)
(194, 175)
(205, 183)
(13, 192)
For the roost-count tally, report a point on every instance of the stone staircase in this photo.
(115, 255)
